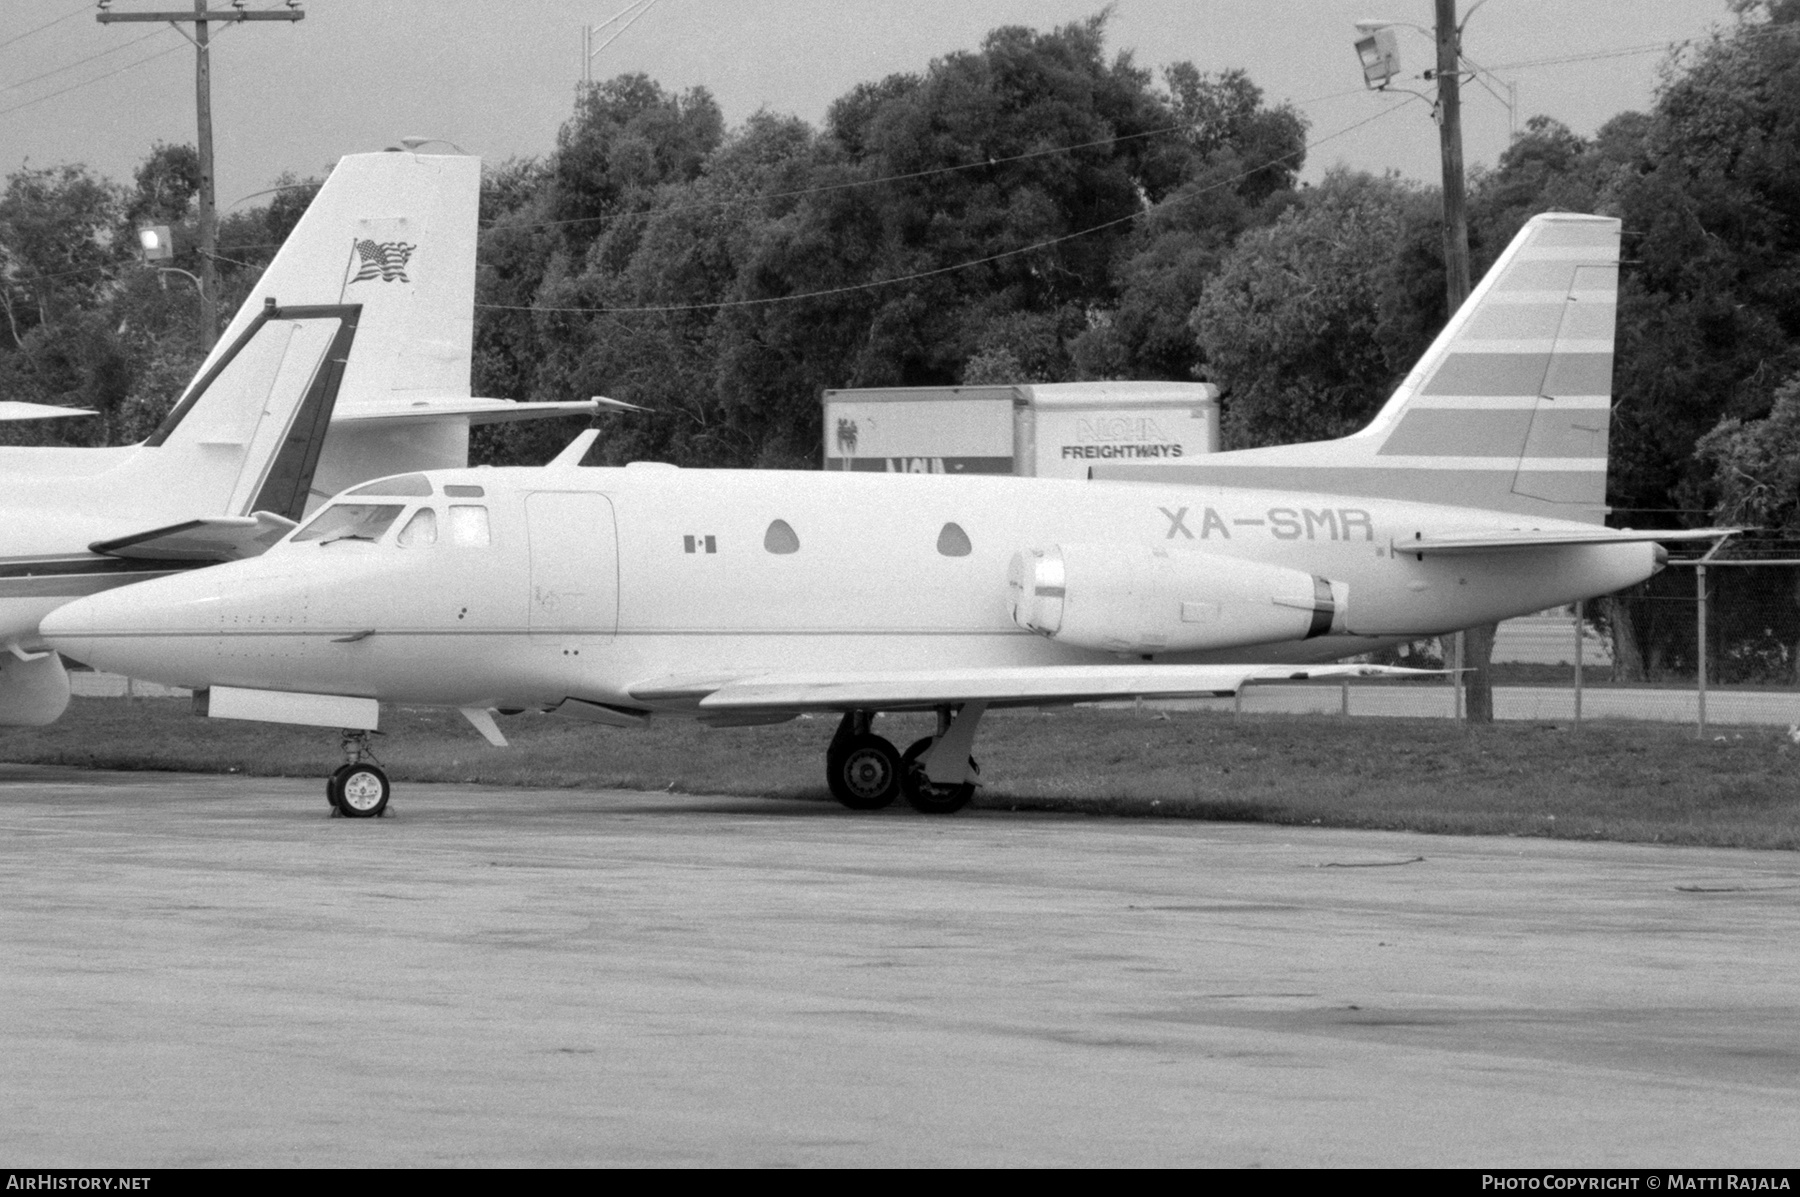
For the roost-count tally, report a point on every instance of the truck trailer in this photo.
(1044, 430)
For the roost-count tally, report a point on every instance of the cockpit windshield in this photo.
(407, 486)
(350, 521)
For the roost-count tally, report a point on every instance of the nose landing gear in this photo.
(359, 788)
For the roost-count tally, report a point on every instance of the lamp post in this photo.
(201, 18)
(157, 244)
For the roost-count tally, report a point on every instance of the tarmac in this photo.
(209, 971)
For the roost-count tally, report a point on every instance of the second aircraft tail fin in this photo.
(370, 299)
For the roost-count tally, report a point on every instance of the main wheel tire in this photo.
(362, 791)
(334, 788)
(927, 796)
(864, 774)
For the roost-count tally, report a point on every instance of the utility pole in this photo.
(1456, 216)
(1475, 646)
(209, 233)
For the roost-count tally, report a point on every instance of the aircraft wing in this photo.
(1488, 540)
(476, 411)
(203, 541)
(1000, 687)
(12, 409)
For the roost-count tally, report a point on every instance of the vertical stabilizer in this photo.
(1508, 409)
(370, 299)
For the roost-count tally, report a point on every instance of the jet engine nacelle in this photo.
(1141, 599)
(33, 693)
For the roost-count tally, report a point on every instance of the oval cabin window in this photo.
(953, 541)
(780, 538)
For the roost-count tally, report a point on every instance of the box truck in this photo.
(1045, 430)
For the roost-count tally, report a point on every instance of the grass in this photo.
(1623, 781)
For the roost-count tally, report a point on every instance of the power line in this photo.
(916, 174)
(924, 274)
(1735, 37)
(19, 37)
(82, 61)
(588, 31)
(852, 183)
(1627, 52)
(621, 33)
(97, 78)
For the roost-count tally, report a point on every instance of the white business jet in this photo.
(348, 361)
(743, 597)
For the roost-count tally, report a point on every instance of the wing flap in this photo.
(1017, 686)
(203, 541)
(1486, 541)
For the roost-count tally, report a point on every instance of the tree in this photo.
(1710, 314)
(1754, 466)
(1305, 323)
(1235, 166)
(58, 248)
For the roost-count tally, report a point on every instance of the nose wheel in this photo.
(359, 788)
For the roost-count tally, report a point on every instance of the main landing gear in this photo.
(359, 789)
(936, 775)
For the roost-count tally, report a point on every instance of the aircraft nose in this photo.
(134, 630)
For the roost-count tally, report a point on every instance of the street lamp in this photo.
(156, 243)
(1379, 49)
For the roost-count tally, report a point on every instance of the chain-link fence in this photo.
(1705, 642)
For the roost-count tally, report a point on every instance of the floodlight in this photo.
(157, 242)
(1379, 50)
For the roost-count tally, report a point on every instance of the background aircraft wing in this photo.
(476, 411)
(208, 541)
(13, 409)
(1488, 540)
(999, 687)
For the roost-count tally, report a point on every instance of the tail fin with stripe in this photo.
(1507, 410)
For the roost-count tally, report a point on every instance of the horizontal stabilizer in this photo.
(999, 687)
(1532, 538)
(220, 538)
(12, 409)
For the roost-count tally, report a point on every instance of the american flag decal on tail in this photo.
(385, 260)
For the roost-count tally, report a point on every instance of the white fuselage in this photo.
(592, 582)
(59, 501)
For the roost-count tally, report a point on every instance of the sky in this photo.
(497, 79)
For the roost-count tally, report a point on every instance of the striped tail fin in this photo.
(1508, 410)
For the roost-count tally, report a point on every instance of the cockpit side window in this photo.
(420, 530)
(350, 521)
(468, 524)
